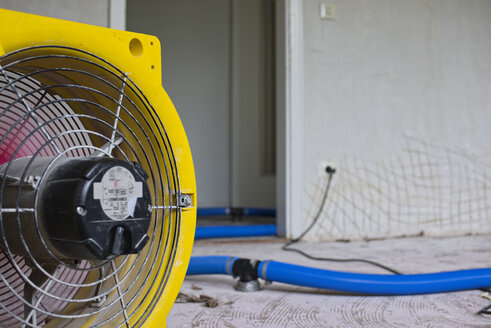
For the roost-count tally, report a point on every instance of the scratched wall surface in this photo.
(397, 95)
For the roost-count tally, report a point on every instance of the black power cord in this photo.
(487, 309)
(330, 171)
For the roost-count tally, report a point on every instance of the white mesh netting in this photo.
(426, 189)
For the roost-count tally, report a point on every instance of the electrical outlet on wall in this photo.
(328, 11)
(322, 167)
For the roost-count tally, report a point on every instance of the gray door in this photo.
(215, 63)
(253, 103)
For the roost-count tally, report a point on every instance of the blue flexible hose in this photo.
(210, 265)
(235, 231)
(373, 284)
(246, 211)
(266, 212)
(213, 211)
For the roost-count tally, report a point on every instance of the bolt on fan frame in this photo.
(135, 60)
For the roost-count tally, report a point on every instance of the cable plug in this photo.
(330, 169)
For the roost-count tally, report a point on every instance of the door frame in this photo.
(289, 116)
(117, 14)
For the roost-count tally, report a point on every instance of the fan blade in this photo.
(106, 148)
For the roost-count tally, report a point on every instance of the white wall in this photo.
(195, 38)
(95, 12)
(398, 95)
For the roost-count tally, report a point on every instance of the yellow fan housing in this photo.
(70, 90)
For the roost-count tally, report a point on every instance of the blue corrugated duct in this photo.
(372, 284)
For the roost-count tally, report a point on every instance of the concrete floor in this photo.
(280, 305)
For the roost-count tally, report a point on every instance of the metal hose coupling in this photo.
(247, 272)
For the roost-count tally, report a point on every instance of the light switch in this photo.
(328, 11)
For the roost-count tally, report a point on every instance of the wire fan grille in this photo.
(63, 102)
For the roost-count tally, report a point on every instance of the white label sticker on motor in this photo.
(118, 192)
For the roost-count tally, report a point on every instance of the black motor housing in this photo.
(85, 208)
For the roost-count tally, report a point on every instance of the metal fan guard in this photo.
(60, 101)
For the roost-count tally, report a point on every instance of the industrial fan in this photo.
(97, 186)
